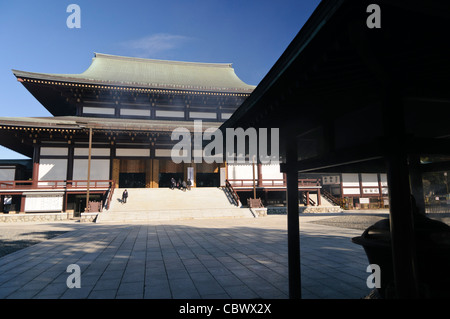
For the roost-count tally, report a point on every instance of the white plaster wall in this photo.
(52, 169)
(98, 110)
(133, 152)
(99, 169)
(61, 151)
(79, 151)
(7, 174)
(370, 180)
(134, 112)
(271, 171)
(350, 180)
(244, 171)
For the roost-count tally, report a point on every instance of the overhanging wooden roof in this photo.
(330, 86)
(20, 134)
(108, 69)
(76, 122)
(343, 93)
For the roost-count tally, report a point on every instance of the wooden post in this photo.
(89, 170)
(416, 182)
(35, 173)
(293, 217)
(402, 229)
(22, 204)
(2, 203)
(260, 178)
(400, 209)
(254, 186)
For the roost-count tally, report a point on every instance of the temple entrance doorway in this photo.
(131, 180)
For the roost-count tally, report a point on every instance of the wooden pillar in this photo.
(416, 182)
(35, 173)
(70, 155)
(22, 204)
(194, 182)
(64, 208)
(260, 178)
(307, 198)
(89, 170)
(148, 173)
(400, 208)
(293, 224)
(254, 181)
(2, 203)
(155, 173)
(402, 229)
(319, 200)
(115, 172)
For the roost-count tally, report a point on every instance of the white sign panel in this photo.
(331, 179)
(370, 190)
(44, 202)
(351, 191)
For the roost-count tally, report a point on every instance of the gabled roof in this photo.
(138, 72)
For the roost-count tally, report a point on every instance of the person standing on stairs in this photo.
(124, 196)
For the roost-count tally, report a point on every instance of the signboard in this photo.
(370, 190)
(44, 202)
(364, 201)
(331, 179)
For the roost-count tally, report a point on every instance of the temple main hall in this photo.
(112, 125)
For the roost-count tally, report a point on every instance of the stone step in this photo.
(173, 215)
(165, 198)
(146, 204)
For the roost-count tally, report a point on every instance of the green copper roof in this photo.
(137, 72)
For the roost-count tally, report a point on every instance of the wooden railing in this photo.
(55, 184)
(273, 183)
(331, 198)
(232, 192)
(307, 200)
(110, 194)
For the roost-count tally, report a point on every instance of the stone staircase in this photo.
(150, 204)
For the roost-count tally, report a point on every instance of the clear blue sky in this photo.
(251, 34)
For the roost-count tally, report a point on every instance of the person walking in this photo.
(124, 196)
(172, 183)
(184, 186)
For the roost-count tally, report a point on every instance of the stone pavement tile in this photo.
(206, 284)
(183, 288)
(228, 280)
(103, 294)
(194, 265)
(107, 283)
(131, 288)
(188, 259)
(157, 289)
(240, 292)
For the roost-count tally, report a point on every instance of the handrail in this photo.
(233, 193)
(331, 198)
(54, 184)
(280, 182)
(110, 194)
(311, 201)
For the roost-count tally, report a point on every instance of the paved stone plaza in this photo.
(215, 258)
